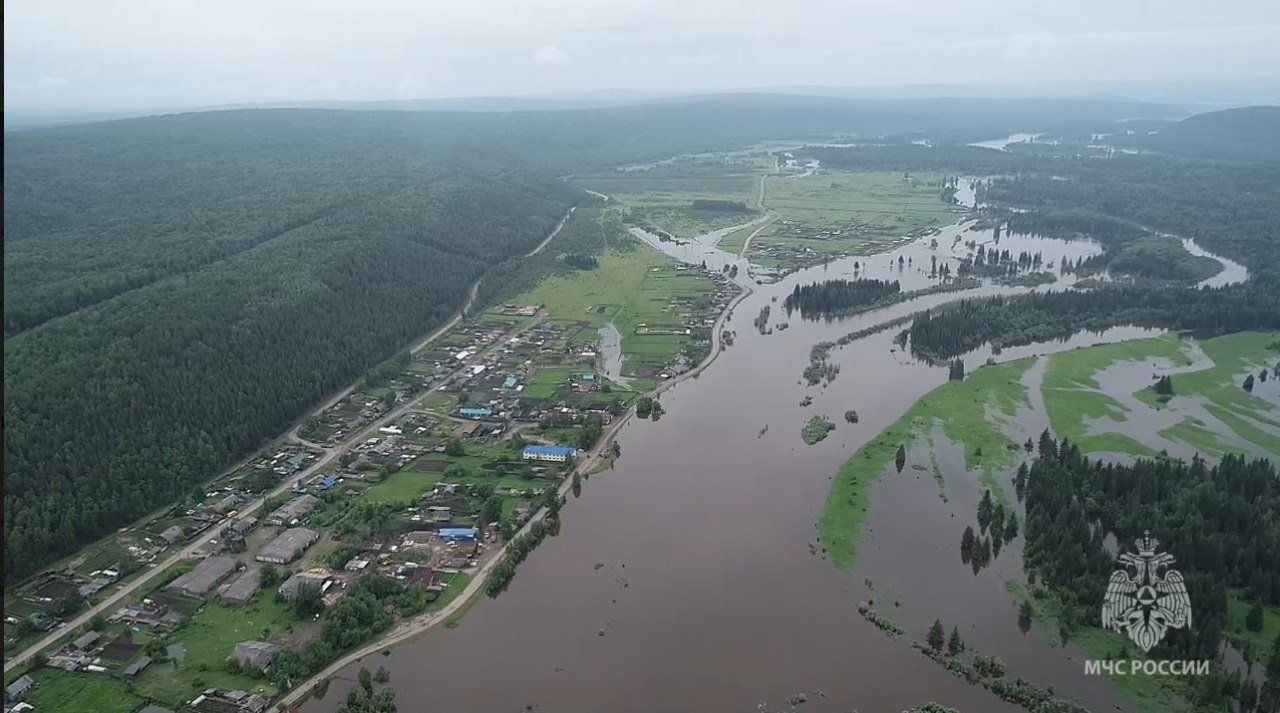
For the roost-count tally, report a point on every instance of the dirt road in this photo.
(330, 455)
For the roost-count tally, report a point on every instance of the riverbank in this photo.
(598, 455)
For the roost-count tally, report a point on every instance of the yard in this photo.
(64, 692)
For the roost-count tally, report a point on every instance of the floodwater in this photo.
(1003, 144)
(711, 595)
(611, 353)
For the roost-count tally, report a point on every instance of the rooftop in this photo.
(549, 450)
(242, 587)
(255, 654)
(288, 545)
(203, 578)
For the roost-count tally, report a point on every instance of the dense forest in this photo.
(1038, 317)
(1217, 521)
(121, 407)
(833, 297)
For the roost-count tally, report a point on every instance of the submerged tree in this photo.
(985, 507)
(937, 636)
(967, 542)
(900, 459)
(1024, 616)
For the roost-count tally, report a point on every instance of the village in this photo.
(436, 460)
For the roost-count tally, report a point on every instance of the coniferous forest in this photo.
(835, 296)
(1219, 523)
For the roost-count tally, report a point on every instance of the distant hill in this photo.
(1249, 133)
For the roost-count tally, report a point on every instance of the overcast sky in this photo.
(119, 54)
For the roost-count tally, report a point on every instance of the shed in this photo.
(256, 655)
(87, 641)
(171, 534)
(136, 667)
(19, 689)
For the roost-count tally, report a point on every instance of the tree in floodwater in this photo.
(985, 508)
(967, 542)
(1020, 479)
(1024, 617)
(1163, 386)
(937, 636)
(954, 645)
(1011, 527)
(1248, 383)
(900, 459)
(957, 370)
(363, 699)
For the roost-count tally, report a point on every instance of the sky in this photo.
(128, 54)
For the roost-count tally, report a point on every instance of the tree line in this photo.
(1040, 317)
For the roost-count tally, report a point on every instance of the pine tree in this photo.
(937, 636)
(954, 644)
(967, 542)
(900, 459)
(1011, 527)
(984, 511)
(1254, 619)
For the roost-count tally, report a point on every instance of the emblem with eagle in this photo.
(1146, 599)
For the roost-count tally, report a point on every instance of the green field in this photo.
(883, 201)
(64, 692)
(734, 241)
(1260, 641)
(996, 390)
(818, 212)
(635, 290)
(663, 196)
(1072, 396)
(403, 486)
(208, 638)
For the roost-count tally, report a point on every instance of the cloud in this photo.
(549, 54)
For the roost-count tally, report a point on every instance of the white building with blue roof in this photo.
(552, 454)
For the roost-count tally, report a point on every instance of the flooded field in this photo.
(689, 577)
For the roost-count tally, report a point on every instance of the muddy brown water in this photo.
(710, 597)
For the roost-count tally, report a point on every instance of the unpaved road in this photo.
(330, 454)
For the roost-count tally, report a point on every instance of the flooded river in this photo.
(710, 597)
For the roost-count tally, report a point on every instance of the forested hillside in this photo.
(117, 408)
(178, 289)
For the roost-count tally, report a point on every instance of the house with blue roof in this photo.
(552, 454)
(472, 412)
(329, 482)
(457, 533)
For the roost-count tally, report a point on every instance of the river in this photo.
(684, 578)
